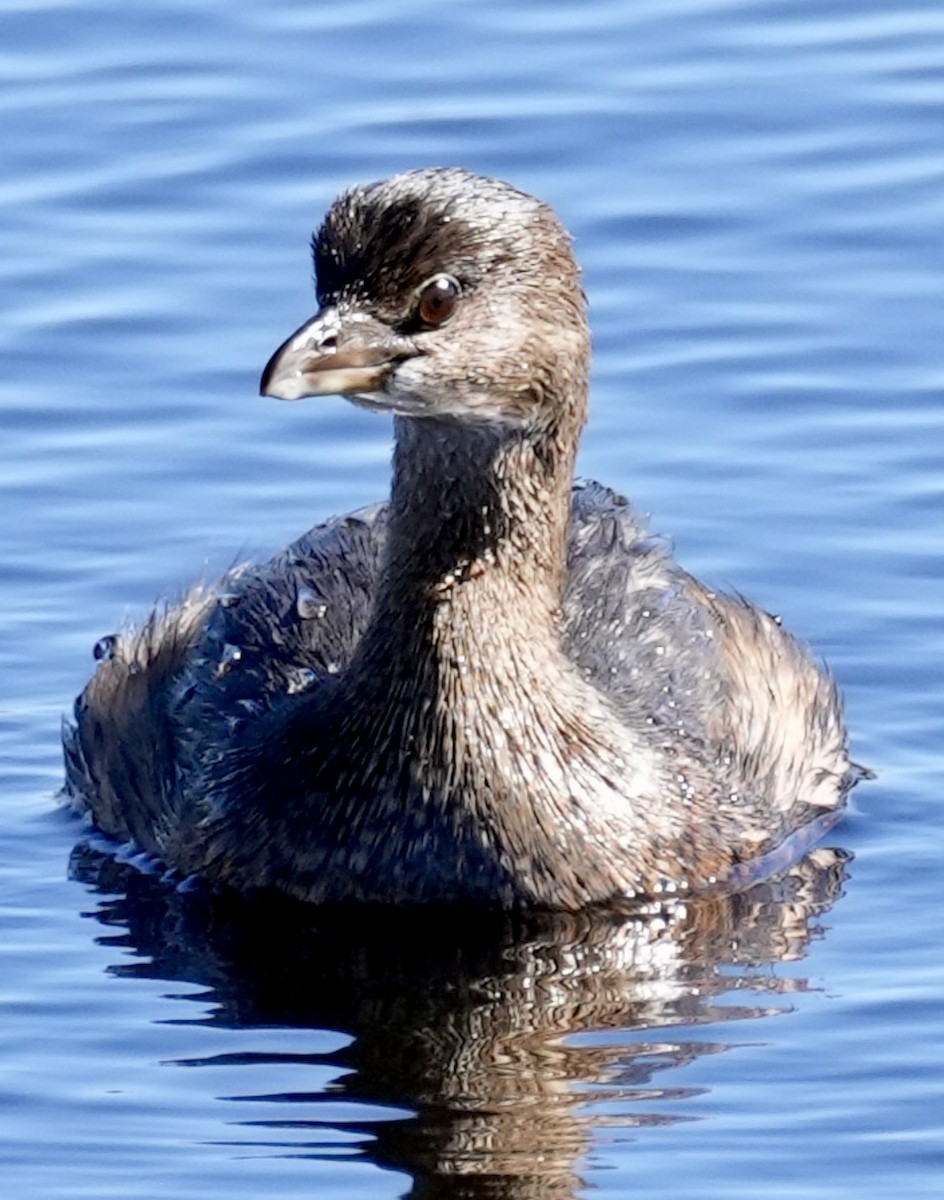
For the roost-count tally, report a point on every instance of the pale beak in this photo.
(334, 355)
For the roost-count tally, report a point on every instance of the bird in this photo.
(495, 688)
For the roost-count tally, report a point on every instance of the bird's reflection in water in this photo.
(479, 1025)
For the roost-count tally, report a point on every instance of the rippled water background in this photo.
(757, 194)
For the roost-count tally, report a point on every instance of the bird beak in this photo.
(334, 355)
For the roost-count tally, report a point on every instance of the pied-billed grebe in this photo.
(496, 688)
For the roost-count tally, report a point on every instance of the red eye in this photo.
(438, 300)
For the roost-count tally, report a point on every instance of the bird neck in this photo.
(477, 531)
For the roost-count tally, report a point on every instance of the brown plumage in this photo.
(497, 688)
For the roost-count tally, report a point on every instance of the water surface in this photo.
(757, 195)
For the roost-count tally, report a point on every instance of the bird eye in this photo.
(437, 300)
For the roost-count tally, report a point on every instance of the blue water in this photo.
(757, 194)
